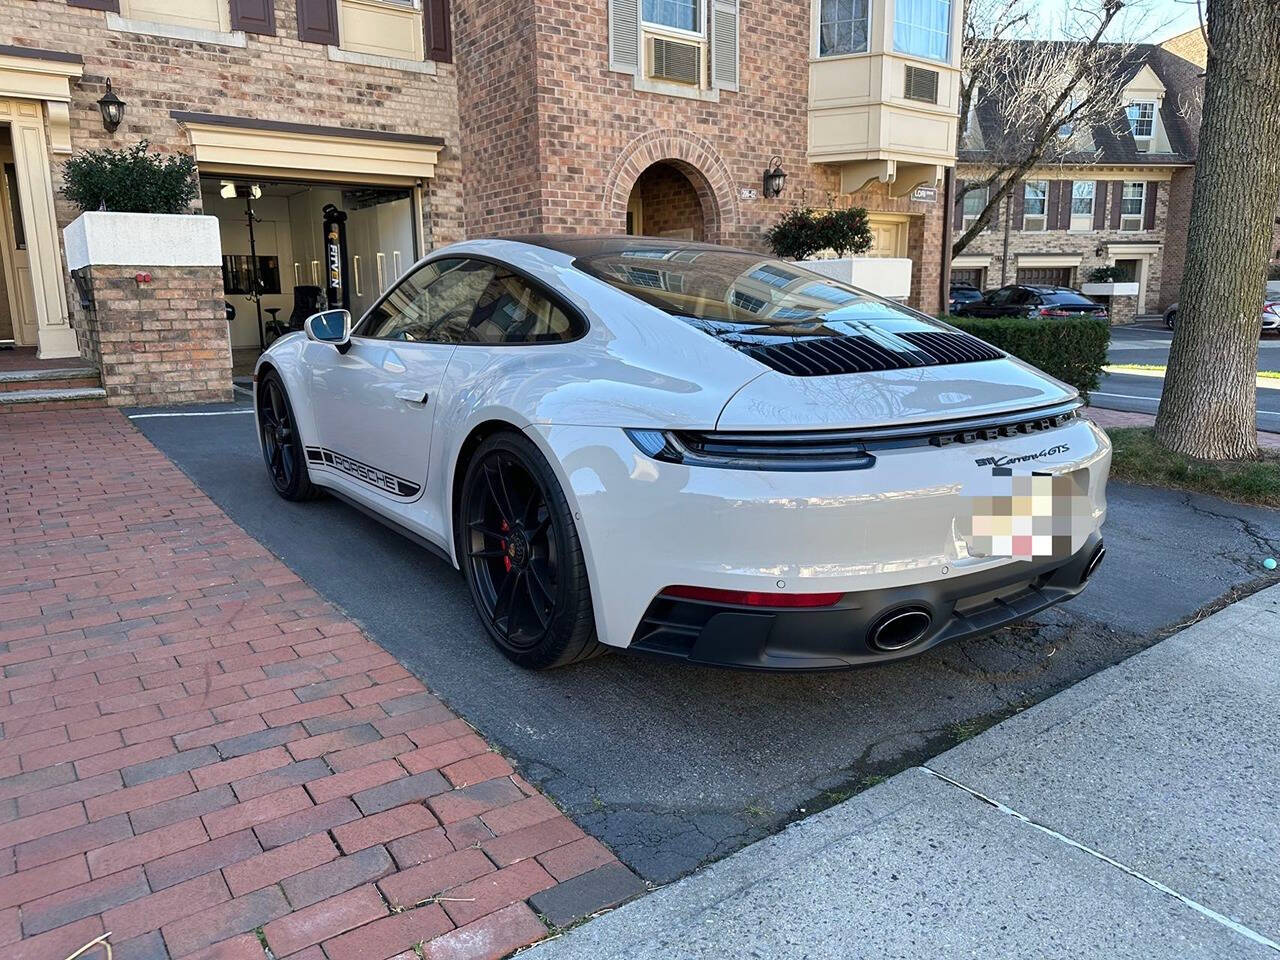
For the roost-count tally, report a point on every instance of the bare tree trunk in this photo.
(1209, 406)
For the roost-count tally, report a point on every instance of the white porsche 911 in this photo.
(690, 450)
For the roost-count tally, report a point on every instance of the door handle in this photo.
(412, 396)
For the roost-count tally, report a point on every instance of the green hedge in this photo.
(1072, 349)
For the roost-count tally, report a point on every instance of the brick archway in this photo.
(692, 156)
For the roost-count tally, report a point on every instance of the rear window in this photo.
(732, 294)
(1066, 296)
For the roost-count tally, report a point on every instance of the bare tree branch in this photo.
(1043, 101)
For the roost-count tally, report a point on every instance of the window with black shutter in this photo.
(318, 21)
(254, 16)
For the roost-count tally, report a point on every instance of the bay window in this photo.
(922, 28)
(843, 26)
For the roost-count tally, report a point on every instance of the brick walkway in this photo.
(197, 750)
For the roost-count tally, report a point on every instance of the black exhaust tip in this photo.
(1095, 561)
(899, 629)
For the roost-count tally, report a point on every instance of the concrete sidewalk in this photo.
(1136, 814)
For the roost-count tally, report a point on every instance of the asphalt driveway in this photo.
(673, 765)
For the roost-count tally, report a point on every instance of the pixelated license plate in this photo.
(1028, 515)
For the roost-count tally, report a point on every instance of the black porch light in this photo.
(112, 108)
(774, 178)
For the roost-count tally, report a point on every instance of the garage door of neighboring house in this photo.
(971, 275)
(1045, 276)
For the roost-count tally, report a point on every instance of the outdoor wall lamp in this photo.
(112, 108)
(1099, 250)
(774, 178)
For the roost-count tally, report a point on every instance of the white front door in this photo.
(887, 238)
(19, 288)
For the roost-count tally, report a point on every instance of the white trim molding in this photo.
(102, 238)
(175, 31)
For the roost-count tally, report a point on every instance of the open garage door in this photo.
(278, 262)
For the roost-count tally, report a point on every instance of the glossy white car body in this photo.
(646, 524)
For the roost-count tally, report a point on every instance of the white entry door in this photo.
(19, 285)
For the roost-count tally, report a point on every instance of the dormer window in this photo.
(1142, 119)
(843, 26)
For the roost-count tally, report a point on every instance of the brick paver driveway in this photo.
(198, 750)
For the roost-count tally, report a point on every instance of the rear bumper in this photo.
(839, 637)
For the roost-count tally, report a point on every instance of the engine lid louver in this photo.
(830, 356)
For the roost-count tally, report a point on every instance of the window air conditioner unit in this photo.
(921, 85)
(1130, 223)
(1034, 223)
(675, 61)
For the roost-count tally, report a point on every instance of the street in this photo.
(1149, 343)
(674, 766)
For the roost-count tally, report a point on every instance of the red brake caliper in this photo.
(506, 561)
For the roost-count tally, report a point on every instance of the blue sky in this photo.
(1147, 21)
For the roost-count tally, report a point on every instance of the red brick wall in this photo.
(1175, 238)
(567, 158)
(272, 78)
(155, 342)
(669, 202)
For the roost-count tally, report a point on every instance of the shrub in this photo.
(1072, 349)
(795, 235)
(845, 232)
(130, 181)
(1111, 274)
(802, 232)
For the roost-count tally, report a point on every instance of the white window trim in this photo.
(338, 55)
(1043, 215)
(815, 41)
(1155, 110)
(1142, 211)
(175, 31)
(953, 11)
(653, 27)
(1087, 217)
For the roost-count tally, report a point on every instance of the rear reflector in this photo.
(753, 598)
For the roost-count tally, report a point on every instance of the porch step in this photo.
(48, 398)
(50, 378)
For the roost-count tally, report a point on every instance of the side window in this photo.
(512, 310)
(431, 305)
(1001, 296)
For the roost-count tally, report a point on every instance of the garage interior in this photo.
(273, 250)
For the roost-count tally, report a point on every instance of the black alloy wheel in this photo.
(281, 443)
(522, 558)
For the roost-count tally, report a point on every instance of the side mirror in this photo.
(330, 326)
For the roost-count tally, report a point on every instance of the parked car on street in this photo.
(1270, 315)
(1018, 300)
(692, 451)
(962, 292)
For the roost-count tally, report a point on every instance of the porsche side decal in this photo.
(386, 482)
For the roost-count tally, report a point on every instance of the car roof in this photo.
(590, 245)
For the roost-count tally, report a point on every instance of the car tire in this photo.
(1171, 318)
(282, 448)
(522, 558)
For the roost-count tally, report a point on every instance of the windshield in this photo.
(1067, 296)
(731, 294)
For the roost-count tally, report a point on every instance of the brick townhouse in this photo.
(429, 120)
(1123, 199)
(661, 117)
(286, 105)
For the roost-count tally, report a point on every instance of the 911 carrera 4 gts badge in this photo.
(1009, 461)
(386, 482)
